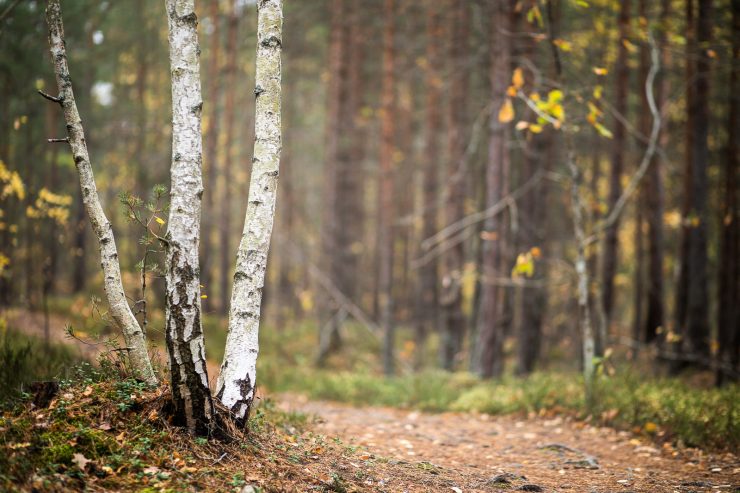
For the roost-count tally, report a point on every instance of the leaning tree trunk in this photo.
(119, 308)
(236, 382)
(191, 396)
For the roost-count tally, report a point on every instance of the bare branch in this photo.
(649, 152)
(53, 99)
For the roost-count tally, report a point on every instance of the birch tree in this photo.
(236, 382)
(120, 310)
(191, 396)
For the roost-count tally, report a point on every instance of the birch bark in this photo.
(193, 406)
(236, 382)
(119, 309)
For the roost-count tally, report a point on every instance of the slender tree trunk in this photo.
(191, 396)
(697, 309)
(654, 202)
(52, 240)
(119, 309)
(682, 286)
(490, 330)
(641, 201)
(425, 313)
(538, 149)
(729, 272)
(385, 202)
(610, 256)
(229, 155)
(237, 380)
(453, 319)
(29, 235)
(339, 261)
(211, 157)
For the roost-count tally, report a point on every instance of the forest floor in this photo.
(344, 448)
(486, 453)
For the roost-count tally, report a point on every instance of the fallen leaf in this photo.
(151, 470)
(80, 461)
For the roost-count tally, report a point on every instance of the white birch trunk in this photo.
(236, 382)
(190, 393)
(119, 308)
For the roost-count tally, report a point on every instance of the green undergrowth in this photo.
(665, 409)
(106, 434)
(24, 360)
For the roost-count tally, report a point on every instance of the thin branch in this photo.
(479, 216)
(8, 10)
(478, 125)
(64, 140)
(53, 99)
(342, 300)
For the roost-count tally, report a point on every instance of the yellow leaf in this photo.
(511, 92)
(600, 71)
(506, 113)
(563, 44)
(159, 220)
(555, 96)
(517, 80)
(603, 131)
(650, 427)
(203, 296)
(535, 129)
(629, 45)
(521, 125)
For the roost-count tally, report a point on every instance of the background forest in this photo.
(470, 190)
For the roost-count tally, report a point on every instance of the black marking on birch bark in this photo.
(245, 387)
(189, 18)
(258, 90)
(197, 392)
(271, 42)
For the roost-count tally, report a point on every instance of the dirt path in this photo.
(484, 453)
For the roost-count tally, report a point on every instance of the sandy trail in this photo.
(531, 454)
